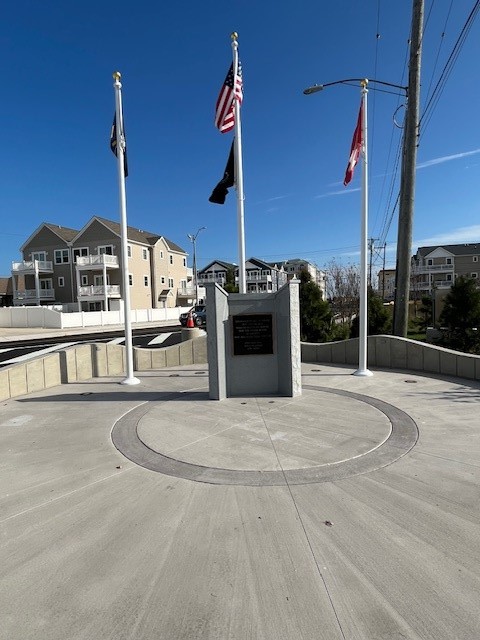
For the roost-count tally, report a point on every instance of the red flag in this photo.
(356, 147)
(224, 113)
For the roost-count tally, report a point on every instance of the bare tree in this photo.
(343, 290)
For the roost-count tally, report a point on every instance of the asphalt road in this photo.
(157, 337)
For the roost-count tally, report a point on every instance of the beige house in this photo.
(436, 268)
(386, 284)
(62, 265)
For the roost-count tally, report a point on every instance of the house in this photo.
(6, 292)
(63, 266)
(294, 266)
(218, 271)
(386, 284)
(260, 276)
(437, 267)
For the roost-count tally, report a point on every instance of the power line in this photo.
(447, 69)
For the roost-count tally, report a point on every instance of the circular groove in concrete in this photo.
(403, 437)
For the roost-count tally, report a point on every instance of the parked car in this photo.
(199, 313)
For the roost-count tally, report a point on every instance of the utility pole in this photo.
(383, 279)
(407, 186)
(371, 246)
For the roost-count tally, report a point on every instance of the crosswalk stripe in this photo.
(159, 339)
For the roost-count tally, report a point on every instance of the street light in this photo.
(193, 240)
(350, 81)
(363, 314)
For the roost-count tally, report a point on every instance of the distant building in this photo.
(260, 276)
(386, 284)
(294, 266)
(6, 292)
(64, 266)
(438, 267)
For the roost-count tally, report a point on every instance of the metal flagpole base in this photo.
(362, 372)
(130, 381)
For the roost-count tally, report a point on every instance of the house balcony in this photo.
(31, 296)
(96, 262)
(190, 292)
(432, 268)
(202, 279)
(259, 278)
(99, 292)
(32, 267)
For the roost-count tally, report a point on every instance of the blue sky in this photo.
(58, 102)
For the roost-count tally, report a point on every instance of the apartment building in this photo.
(62, 266)
(294, 266)
(386, 284)
(260, 276)
(437, 267)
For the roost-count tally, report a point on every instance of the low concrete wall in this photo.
(85, 361)
(392, 352)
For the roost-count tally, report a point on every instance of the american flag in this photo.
(224, 113)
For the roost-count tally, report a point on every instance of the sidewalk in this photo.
(351, 512)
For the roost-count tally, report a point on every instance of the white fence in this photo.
(53, 319)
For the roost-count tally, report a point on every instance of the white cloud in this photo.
(456, 236)
(455, 156)
(337, 193)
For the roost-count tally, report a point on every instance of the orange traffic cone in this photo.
(190, 324)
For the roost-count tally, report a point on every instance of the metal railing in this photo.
(31, 294)
(111, 290)
(97, 260)
(416, 269)
(29, 265)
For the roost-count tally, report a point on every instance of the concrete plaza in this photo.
(150, 512)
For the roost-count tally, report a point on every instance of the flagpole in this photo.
(242, 285)
(130, 379)
(363, 317)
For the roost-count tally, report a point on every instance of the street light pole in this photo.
(363, 313)
(193, 240)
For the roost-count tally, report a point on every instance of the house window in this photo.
(474, 258)
(449, 277)
(145, 280)
(84, 281)
(162, 279)
(80, 252)
(170, 257)
(46, 284)
(184, 262)
(429, 262)
(98, 280)
(170, 283)
(108, 249)
(161, 253)
(41, 256)
(130, 279)
(61, 256)
(145, 254)
(474, 274)
(61, 281)
(449, 261)
(129, 250)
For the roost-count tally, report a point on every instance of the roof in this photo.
(64, 233)
(136, 235)
(222, 263)
(260, 263)
(455, 249)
